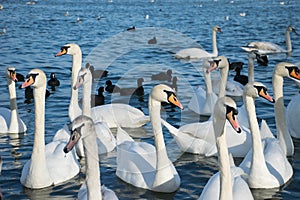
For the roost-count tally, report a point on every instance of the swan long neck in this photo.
(288, 41)
(224, 76)
(258, 159)
(14, 126)
(162, 161)
(86, 99)
(214, 43)
(283, 135)
(92, 166)
(224, 167)
(207, 79)
(76, 66)
(250, 68)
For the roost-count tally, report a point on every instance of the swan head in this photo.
(291, 28)
(84, 75)
(164, 93)
(257, 89)
(11, 73)
(217, 29)
(80, 128)
(36, 78)
(70, 49)
(289, 70)
(225, 109)
(219, 62)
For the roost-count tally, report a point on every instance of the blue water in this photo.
(36, 32)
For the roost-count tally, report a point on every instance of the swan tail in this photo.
(122, 136)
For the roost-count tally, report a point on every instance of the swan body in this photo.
(48, 164)
(83, 128)
(227, 183)
(291, 71)
(118, 114)
(106, 142)
(293, 109)
(144, 165)
(196, 53)
(10, 122)
(270, 48)
(266, 163)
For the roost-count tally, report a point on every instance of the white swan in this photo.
(106, 142)
(10, 122)
(291, 71)
(113, 114)
(75, 51)
(266, 163)
(48, 164)
(196, 53)
(269, 48)
(83, 128)
(144, 165)
(227, 184)
(203, 100)
(198, 138)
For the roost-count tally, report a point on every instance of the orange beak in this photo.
(173, 99)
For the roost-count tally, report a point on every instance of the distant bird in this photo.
(163, 76)
(242, 79)
(97, 74)
(98, 18)
(53, 82)
(98, 99)
(131, 28)
(111, 88)
(152, 41)
(79, 20)
(66, 14)
(3, 32)
(138, 91)
(1, 6)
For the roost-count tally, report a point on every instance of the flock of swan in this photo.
(230, 131)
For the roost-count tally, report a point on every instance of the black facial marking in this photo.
(293, 68)
(259, 88)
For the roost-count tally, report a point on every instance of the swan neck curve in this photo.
(258, 163)
(74, 108)
(163, 169)
(224, 165)
(288, 41)
(13, 127)
(283, 135)
(214, 43)
(224, 76)
(92, 166)
(86, 99)
(250, 68)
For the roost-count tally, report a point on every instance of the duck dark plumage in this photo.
(97, 74)
(29, 94)
(111, 88)
(53, 82)
(163, 76)
(98, 99)
(138, 91)
(242, 79)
